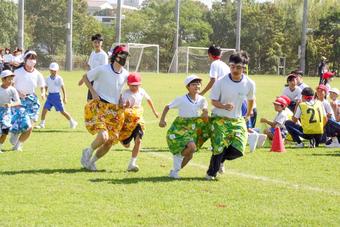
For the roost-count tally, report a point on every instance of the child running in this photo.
(55, 83)
(8, 97)
(133, 127)
(189, 130)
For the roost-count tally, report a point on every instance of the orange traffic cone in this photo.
(277, 144)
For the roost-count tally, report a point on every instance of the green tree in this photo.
(9, 21)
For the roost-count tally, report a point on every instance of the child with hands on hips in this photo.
(133, 127)
(190, 129)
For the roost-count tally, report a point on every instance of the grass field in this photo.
(45, 185)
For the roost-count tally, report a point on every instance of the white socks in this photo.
(133, 161)
(177, 162)
(94, 159)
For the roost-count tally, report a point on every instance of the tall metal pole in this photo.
(238, 25)
(176, 36)
(118, 21)
(304, 36)
(69, 64)
(21, 10)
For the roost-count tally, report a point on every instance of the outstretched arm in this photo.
(153, 108)
(89, 85)
(162, 122)
(209, 85)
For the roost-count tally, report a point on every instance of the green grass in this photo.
(44, 185)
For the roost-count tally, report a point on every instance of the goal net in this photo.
(143, 57)
(195, 59)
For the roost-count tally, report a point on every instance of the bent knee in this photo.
(191, 146)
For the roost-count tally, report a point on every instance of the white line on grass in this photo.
(261, 178)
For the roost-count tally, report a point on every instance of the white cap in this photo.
(54, 66)
(6, 73)
(191, 78)
(335, 90)
(30, 52)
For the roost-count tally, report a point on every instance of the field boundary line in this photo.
(260, 178)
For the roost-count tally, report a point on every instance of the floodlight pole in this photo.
(69, 65)
(21, 6)
(304, 36)
(177, 35)
(238, 25)
(118, 21)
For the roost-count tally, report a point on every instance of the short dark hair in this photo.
(239, 57)
(214, 50)
(307, 91)
(97, 37)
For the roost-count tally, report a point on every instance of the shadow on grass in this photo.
(335, 154)
(144, 149)
(47, 171)
(145, 179)
(57, 131)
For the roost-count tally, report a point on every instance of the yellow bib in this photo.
(312, 118)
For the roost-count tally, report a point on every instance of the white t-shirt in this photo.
(302, 86)
(8, 95)
(18, 59)
(226, 91)
(54, 84)
(107, 83)
(218, 69)
(298, 110)
(135, 99)
(188, 107)
(281, 118)
(97, 59)
(293, 95)
(328, 108)
(8, 58)
(26, 82)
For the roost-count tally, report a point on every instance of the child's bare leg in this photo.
(188, 153)
(2, 138)
(136, 147)
(43, 114)
(25, 135)
(67, 115)
(103, 149)
(101, 138)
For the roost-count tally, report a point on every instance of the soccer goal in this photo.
(143, 57)
(195, 59)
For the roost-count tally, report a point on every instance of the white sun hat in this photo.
(190, 78)
(54, 66)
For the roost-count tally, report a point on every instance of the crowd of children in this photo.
(115, 115)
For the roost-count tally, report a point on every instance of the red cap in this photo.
(120, 48)
(322, 87)
(280, 101)
(134, 79)
(286, 98)
(327, 75)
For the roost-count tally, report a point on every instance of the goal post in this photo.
(195, 59)
(143, 57)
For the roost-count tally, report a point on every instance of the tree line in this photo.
(269, 30)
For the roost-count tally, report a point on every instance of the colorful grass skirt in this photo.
(185, 130)
(5, 118)
(31, 105)
(21, 121)
(104, 116)
(132, 117)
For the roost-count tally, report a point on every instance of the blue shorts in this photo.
(283, 132)
(54, 100)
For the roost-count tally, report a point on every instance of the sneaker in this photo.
(221, 170)
(207, 177)
(133, 168)
(261, 140)
(73, 124)
(329, 141)
(14, 138)
(92, 167)
(17, 147)
(42, 125)
(299, 145)
(252, 140)
(174, 174)
(333, 145)
(85, 158)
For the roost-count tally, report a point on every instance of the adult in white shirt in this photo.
(218, 68)
(229, 131)
(26, 80)
(7, 59)
(103, 114)
(293, 92)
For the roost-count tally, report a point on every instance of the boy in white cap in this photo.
(133, 127)
(55, 83)
(8, 97)
(190, 129)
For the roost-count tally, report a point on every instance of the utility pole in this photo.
(118, 21)
(21, 10)
(304, 36)
(69, 64)
(238, 25)
(176, 36)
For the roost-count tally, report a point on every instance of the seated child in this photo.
(133, 127)
(190, 129)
